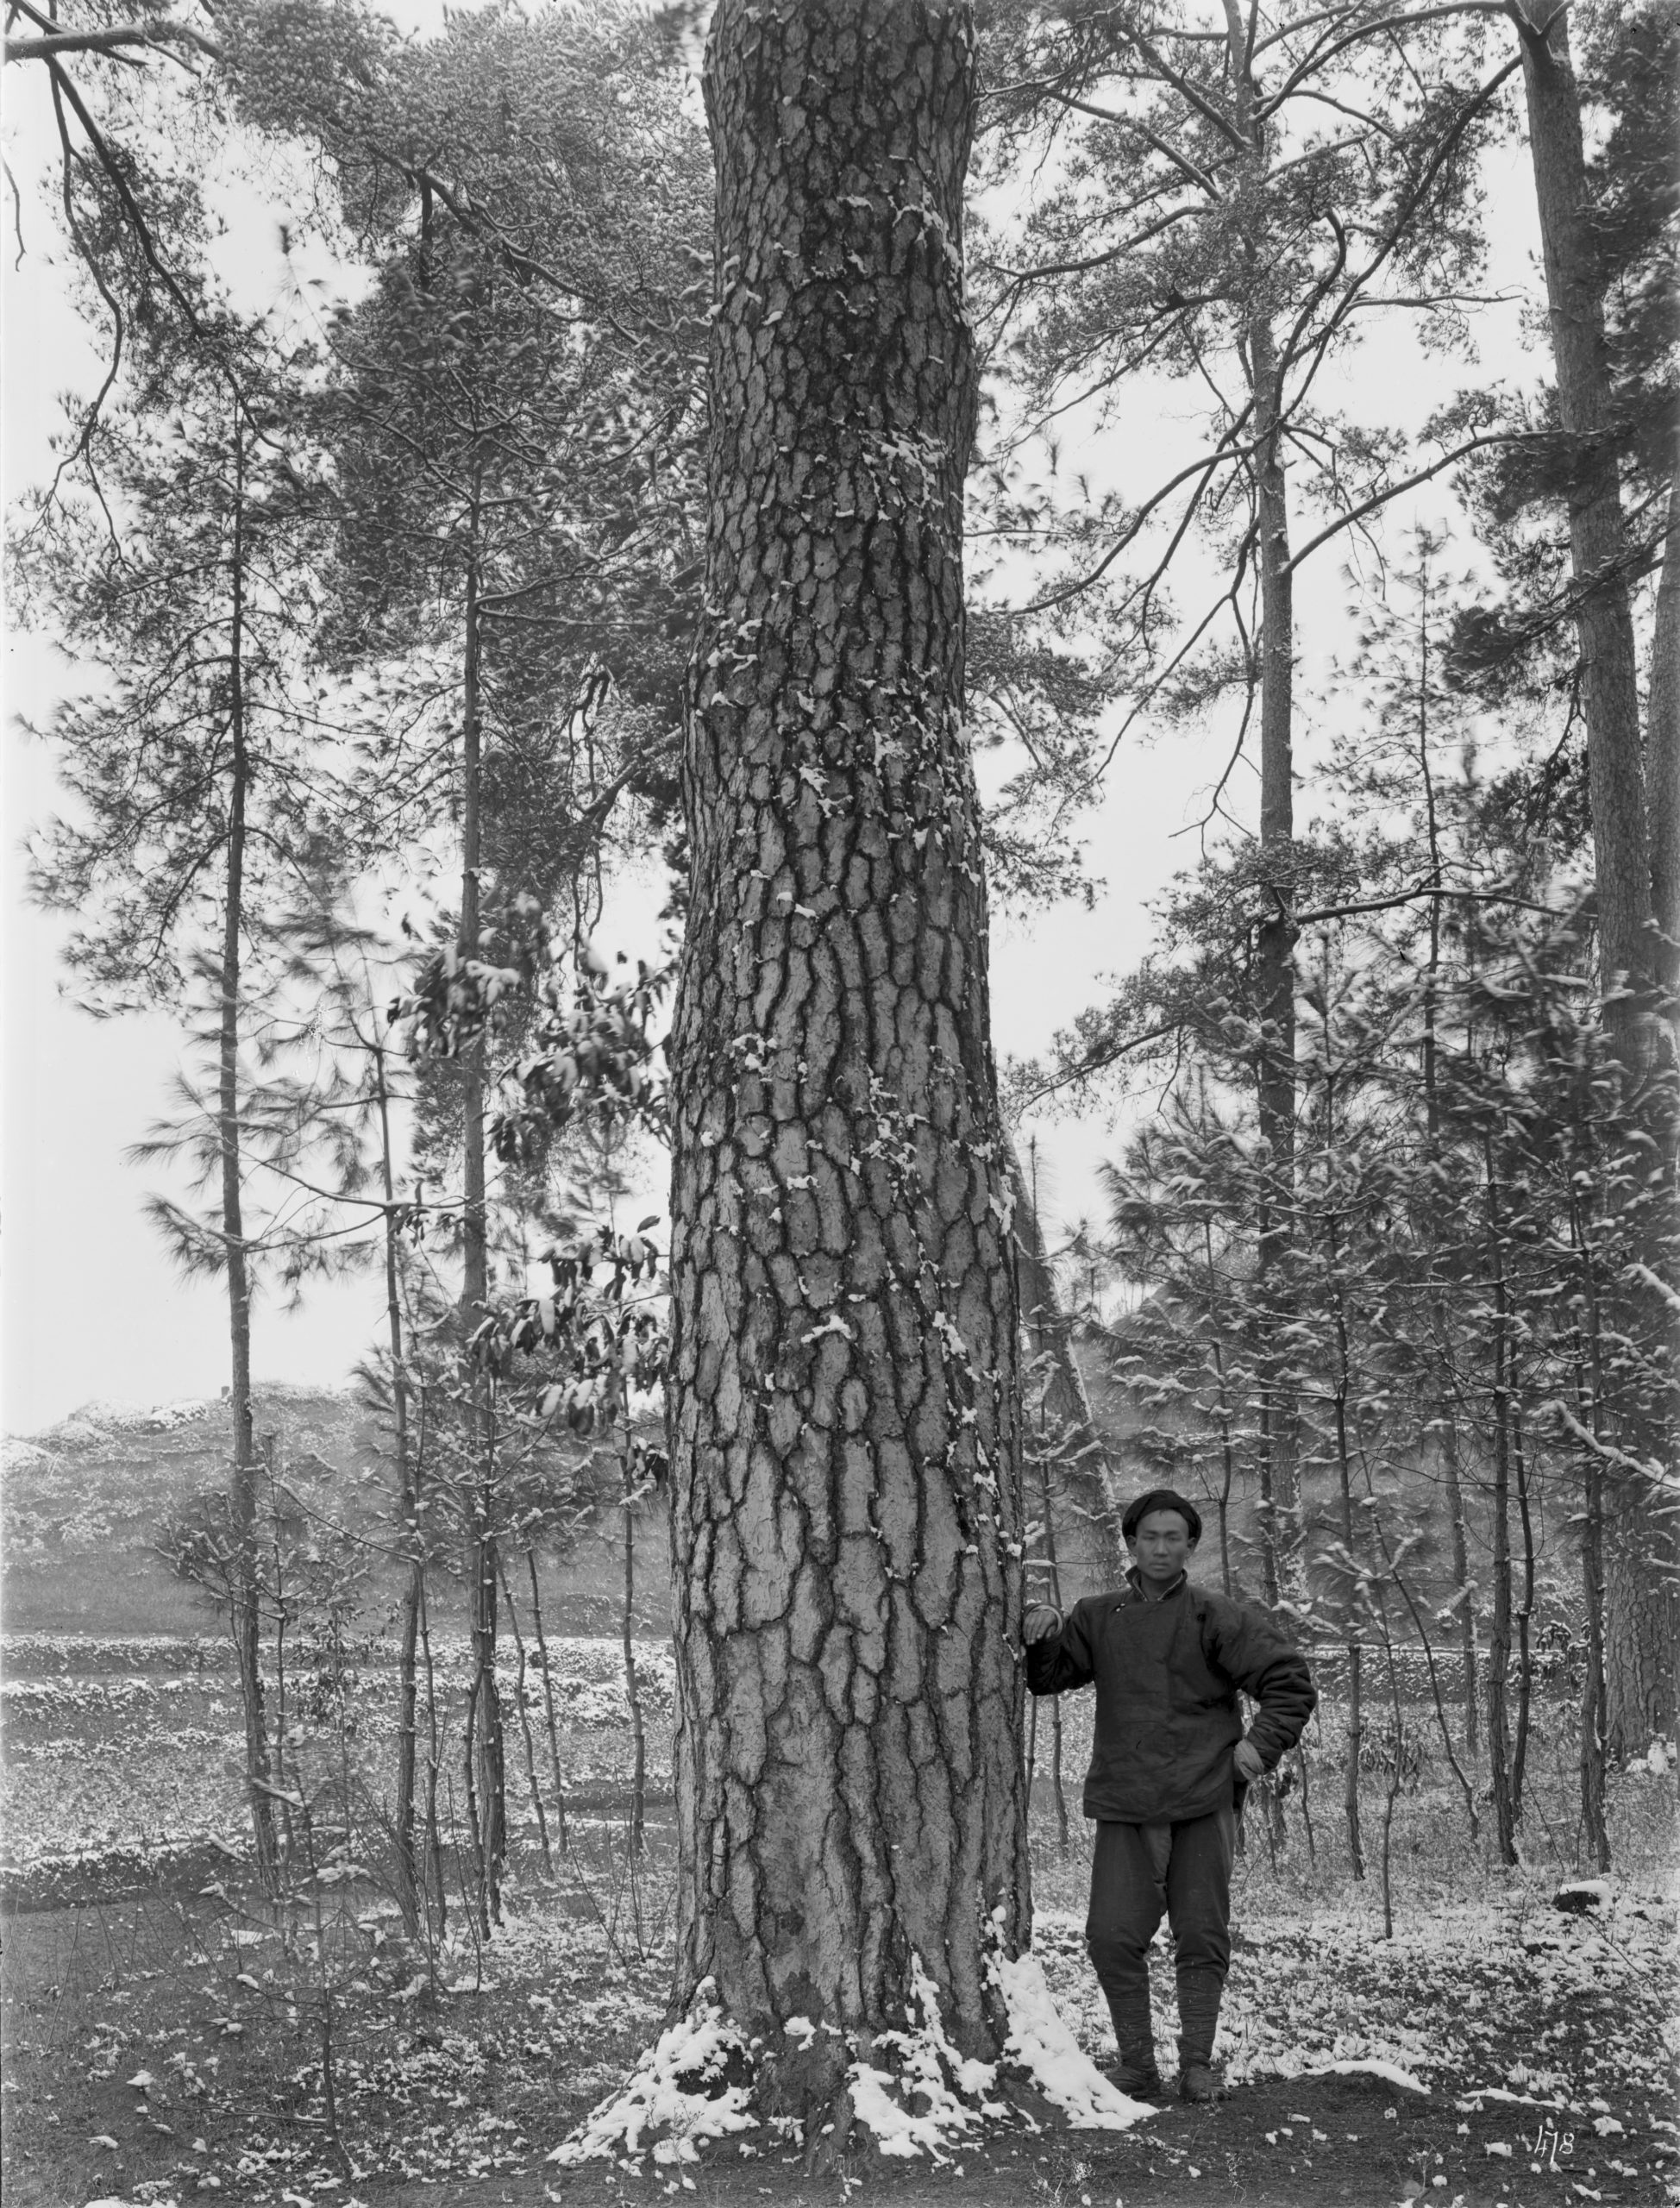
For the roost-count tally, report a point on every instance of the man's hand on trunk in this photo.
(1247, 1759)
(1042, 1622)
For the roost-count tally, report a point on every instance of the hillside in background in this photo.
(88, 1501)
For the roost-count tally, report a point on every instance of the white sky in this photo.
(88, 1306)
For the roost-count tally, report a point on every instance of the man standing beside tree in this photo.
(1169, 1766)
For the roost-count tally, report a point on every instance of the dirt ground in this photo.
(1545, 2039)
(1324, 2142)
(1549, 2084)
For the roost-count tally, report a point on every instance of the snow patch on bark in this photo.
(1045, 2047)
(675, 2097)
(959, 2095)
(931, 2070)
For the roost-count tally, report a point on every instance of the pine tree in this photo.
(188, 577)
(846, 1506)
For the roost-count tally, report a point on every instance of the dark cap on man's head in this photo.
(1161, 1498)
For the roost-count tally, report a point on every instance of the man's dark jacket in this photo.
(1167, 1674)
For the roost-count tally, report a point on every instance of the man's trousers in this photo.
(1139, 1874)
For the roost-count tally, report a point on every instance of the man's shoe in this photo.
(1199, 2081)
(1140, 2081)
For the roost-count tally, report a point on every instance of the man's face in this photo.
(1160, 1546)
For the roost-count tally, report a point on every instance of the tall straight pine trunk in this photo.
(486, 1784)
(847, 1521)
(244, 1575)
(410, 1542)
(1662, 765)
(1276, 937)
(1275, 989)
(1440, 1326)
(1635, 826)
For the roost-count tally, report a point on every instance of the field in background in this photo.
(122, 1756)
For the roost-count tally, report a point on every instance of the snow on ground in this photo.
(675, 2097)
(1432, 2007)
(913, 2092)
(1044, 2044)
(126, 1754)
(1506, 2006)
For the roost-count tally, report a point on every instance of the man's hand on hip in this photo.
(1042, 1622)
(1247, 1759)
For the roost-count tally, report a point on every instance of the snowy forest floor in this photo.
(165, 2049)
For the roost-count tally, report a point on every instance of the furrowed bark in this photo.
(847, 1523)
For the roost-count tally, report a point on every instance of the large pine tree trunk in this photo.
(1642, 1555)
(846, 1508)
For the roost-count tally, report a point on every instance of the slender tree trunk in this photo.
(1393, 1795)
(1087, 1470)
(1042, 1364)
(1525, 1611)
(1440, 1328)
(1352, 1541)
(561, 1836)
(487, 1783)
(532, 1785)
(638, 1802)
(1592, 1751)
(1222, 1389)
(1422, 1630)
(1499, 1651)
(1593, 1760)
(245, 1578)
(440, 1894)
(408, 1507)
(1274, 971)
(1663, 767)
(1595, 1755)
(1275, 943)
(847, 1524)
